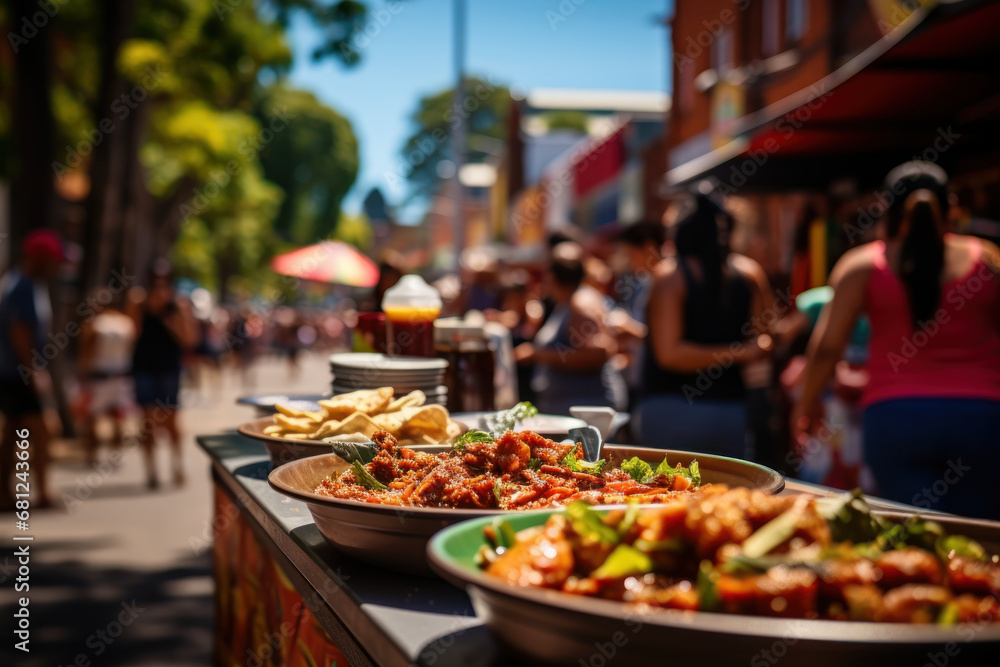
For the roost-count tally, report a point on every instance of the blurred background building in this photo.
(801, 106)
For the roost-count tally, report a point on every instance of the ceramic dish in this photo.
(282, 450)
(396, 537)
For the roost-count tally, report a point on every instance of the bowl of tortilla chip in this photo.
(292, 434)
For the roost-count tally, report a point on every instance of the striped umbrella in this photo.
(328, 262)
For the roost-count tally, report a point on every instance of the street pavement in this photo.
(122, 575)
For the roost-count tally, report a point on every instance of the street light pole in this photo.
(458, 130)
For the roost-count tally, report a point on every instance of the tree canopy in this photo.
(483, 109)
(162, 107)
(314, 160)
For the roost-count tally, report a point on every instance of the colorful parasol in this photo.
(328, 262)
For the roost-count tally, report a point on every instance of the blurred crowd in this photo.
(882, 379)
(129, 348)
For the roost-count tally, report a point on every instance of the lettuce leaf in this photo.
(638, 469)
(470, 437)
(664, 469)
(642, 472)
(579, 465)
(692, 472)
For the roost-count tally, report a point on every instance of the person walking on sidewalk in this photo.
(166, 328)
(25, 384)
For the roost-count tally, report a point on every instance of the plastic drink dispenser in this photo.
(410, 307)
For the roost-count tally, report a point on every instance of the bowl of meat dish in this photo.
(732, 576)
(383, 502)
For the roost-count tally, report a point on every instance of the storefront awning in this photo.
(930, 89)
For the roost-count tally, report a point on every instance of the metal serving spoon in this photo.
(591, 439)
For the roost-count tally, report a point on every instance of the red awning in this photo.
(929, 89)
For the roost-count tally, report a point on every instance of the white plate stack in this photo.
(361, 370)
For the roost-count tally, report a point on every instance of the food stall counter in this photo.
(284, 595)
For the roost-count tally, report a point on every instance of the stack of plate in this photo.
(356, 370)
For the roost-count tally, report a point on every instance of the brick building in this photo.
(798, 108)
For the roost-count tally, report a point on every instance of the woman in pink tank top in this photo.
(932, 404)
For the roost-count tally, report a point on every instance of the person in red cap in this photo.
(25, 384)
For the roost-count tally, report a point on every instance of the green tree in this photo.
(207, 56)
(574, 121)
(484, 111)
(356, 230)
(314, 160)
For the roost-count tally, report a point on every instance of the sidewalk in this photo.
(122, 576)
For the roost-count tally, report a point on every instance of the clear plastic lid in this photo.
(411, 293)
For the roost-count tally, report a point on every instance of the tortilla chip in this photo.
(414, 399)
(295, 425)
(432, 420)
(392, 422)
(370, 401)
(299, 414)
(358, 422)
(327, 428)
(401, 422)
(453, 431)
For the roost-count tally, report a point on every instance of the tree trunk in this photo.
(33, 187)
(33, 194)
(112, 159)
(133, 253)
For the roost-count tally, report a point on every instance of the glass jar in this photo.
(410, 308)
(471, 363)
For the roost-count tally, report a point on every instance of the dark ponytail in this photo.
(922, 257)
(702, 232)
(919, 203)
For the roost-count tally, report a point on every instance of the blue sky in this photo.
(527, 43)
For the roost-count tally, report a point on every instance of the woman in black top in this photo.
(166, 327)
(704, 310)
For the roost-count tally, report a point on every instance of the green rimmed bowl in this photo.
(547, 626)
